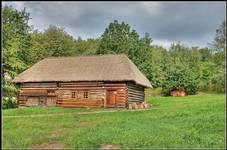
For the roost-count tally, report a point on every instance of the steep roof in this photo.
(84, 68)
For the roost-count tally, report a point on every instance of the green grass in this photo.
(173, 122)
(44, 110)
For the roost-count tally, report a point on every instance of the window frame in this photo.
(80, 95)
(86, 95)
(74, 95)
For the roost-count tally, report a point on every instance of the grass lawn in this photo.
(173, 122)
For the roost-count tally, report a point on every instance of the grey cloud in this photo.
(193, 23)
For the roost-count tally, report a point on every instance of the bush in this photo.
(179, 79)
(9, 89)
(9, 102)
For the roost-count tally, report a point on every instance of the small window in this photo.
(85, 94)
(73, 94)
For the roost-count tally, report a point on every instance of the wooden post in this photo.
(105, 95)
(126, 102)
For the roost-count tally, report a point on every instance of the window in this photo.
(80, 95)
(73, 94)
(50, 92)
(85, 94)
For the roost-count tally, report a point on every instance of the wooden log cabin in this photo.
(86, 81)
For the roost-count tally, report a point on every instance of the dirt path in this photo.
(78, 113)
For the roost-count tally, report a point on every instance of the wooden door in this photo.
(111, 98)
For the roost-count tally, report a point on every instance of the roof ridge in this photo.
(99, 55)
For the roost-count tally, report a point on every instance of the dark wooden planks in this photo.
(135, 93)
(80, 103)
(36, 85)
(121, 98)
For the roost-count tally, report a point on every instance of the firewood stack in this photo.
(142, 105)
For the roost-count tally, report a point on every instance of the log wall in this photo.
(80, 103)
(121, 99)
(135, 93)
(60, 94)
(34, 94)
(38, 85)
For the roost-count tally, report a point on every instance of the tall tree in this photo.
(120, 38)
(52, 42)
(16, 39)
(219, 43)
(117, 38)
(147, 38)
(218, 46)
(38, 50)
(57, 42)
(16, 44)
(86, 47)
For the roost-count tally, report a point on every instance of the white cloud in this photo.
(153, 8)
(16, 5)
(164, 43)
(19, 5)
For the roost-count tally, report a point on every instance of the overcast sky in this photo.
(192, 23)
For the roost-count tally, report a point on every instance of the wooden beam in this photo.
(105, 98)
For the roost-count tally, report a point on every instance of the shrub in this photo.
(179, 79)
(9, 102)
(9, 89)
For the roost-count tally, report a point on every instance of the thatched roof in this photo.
(84, 68)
